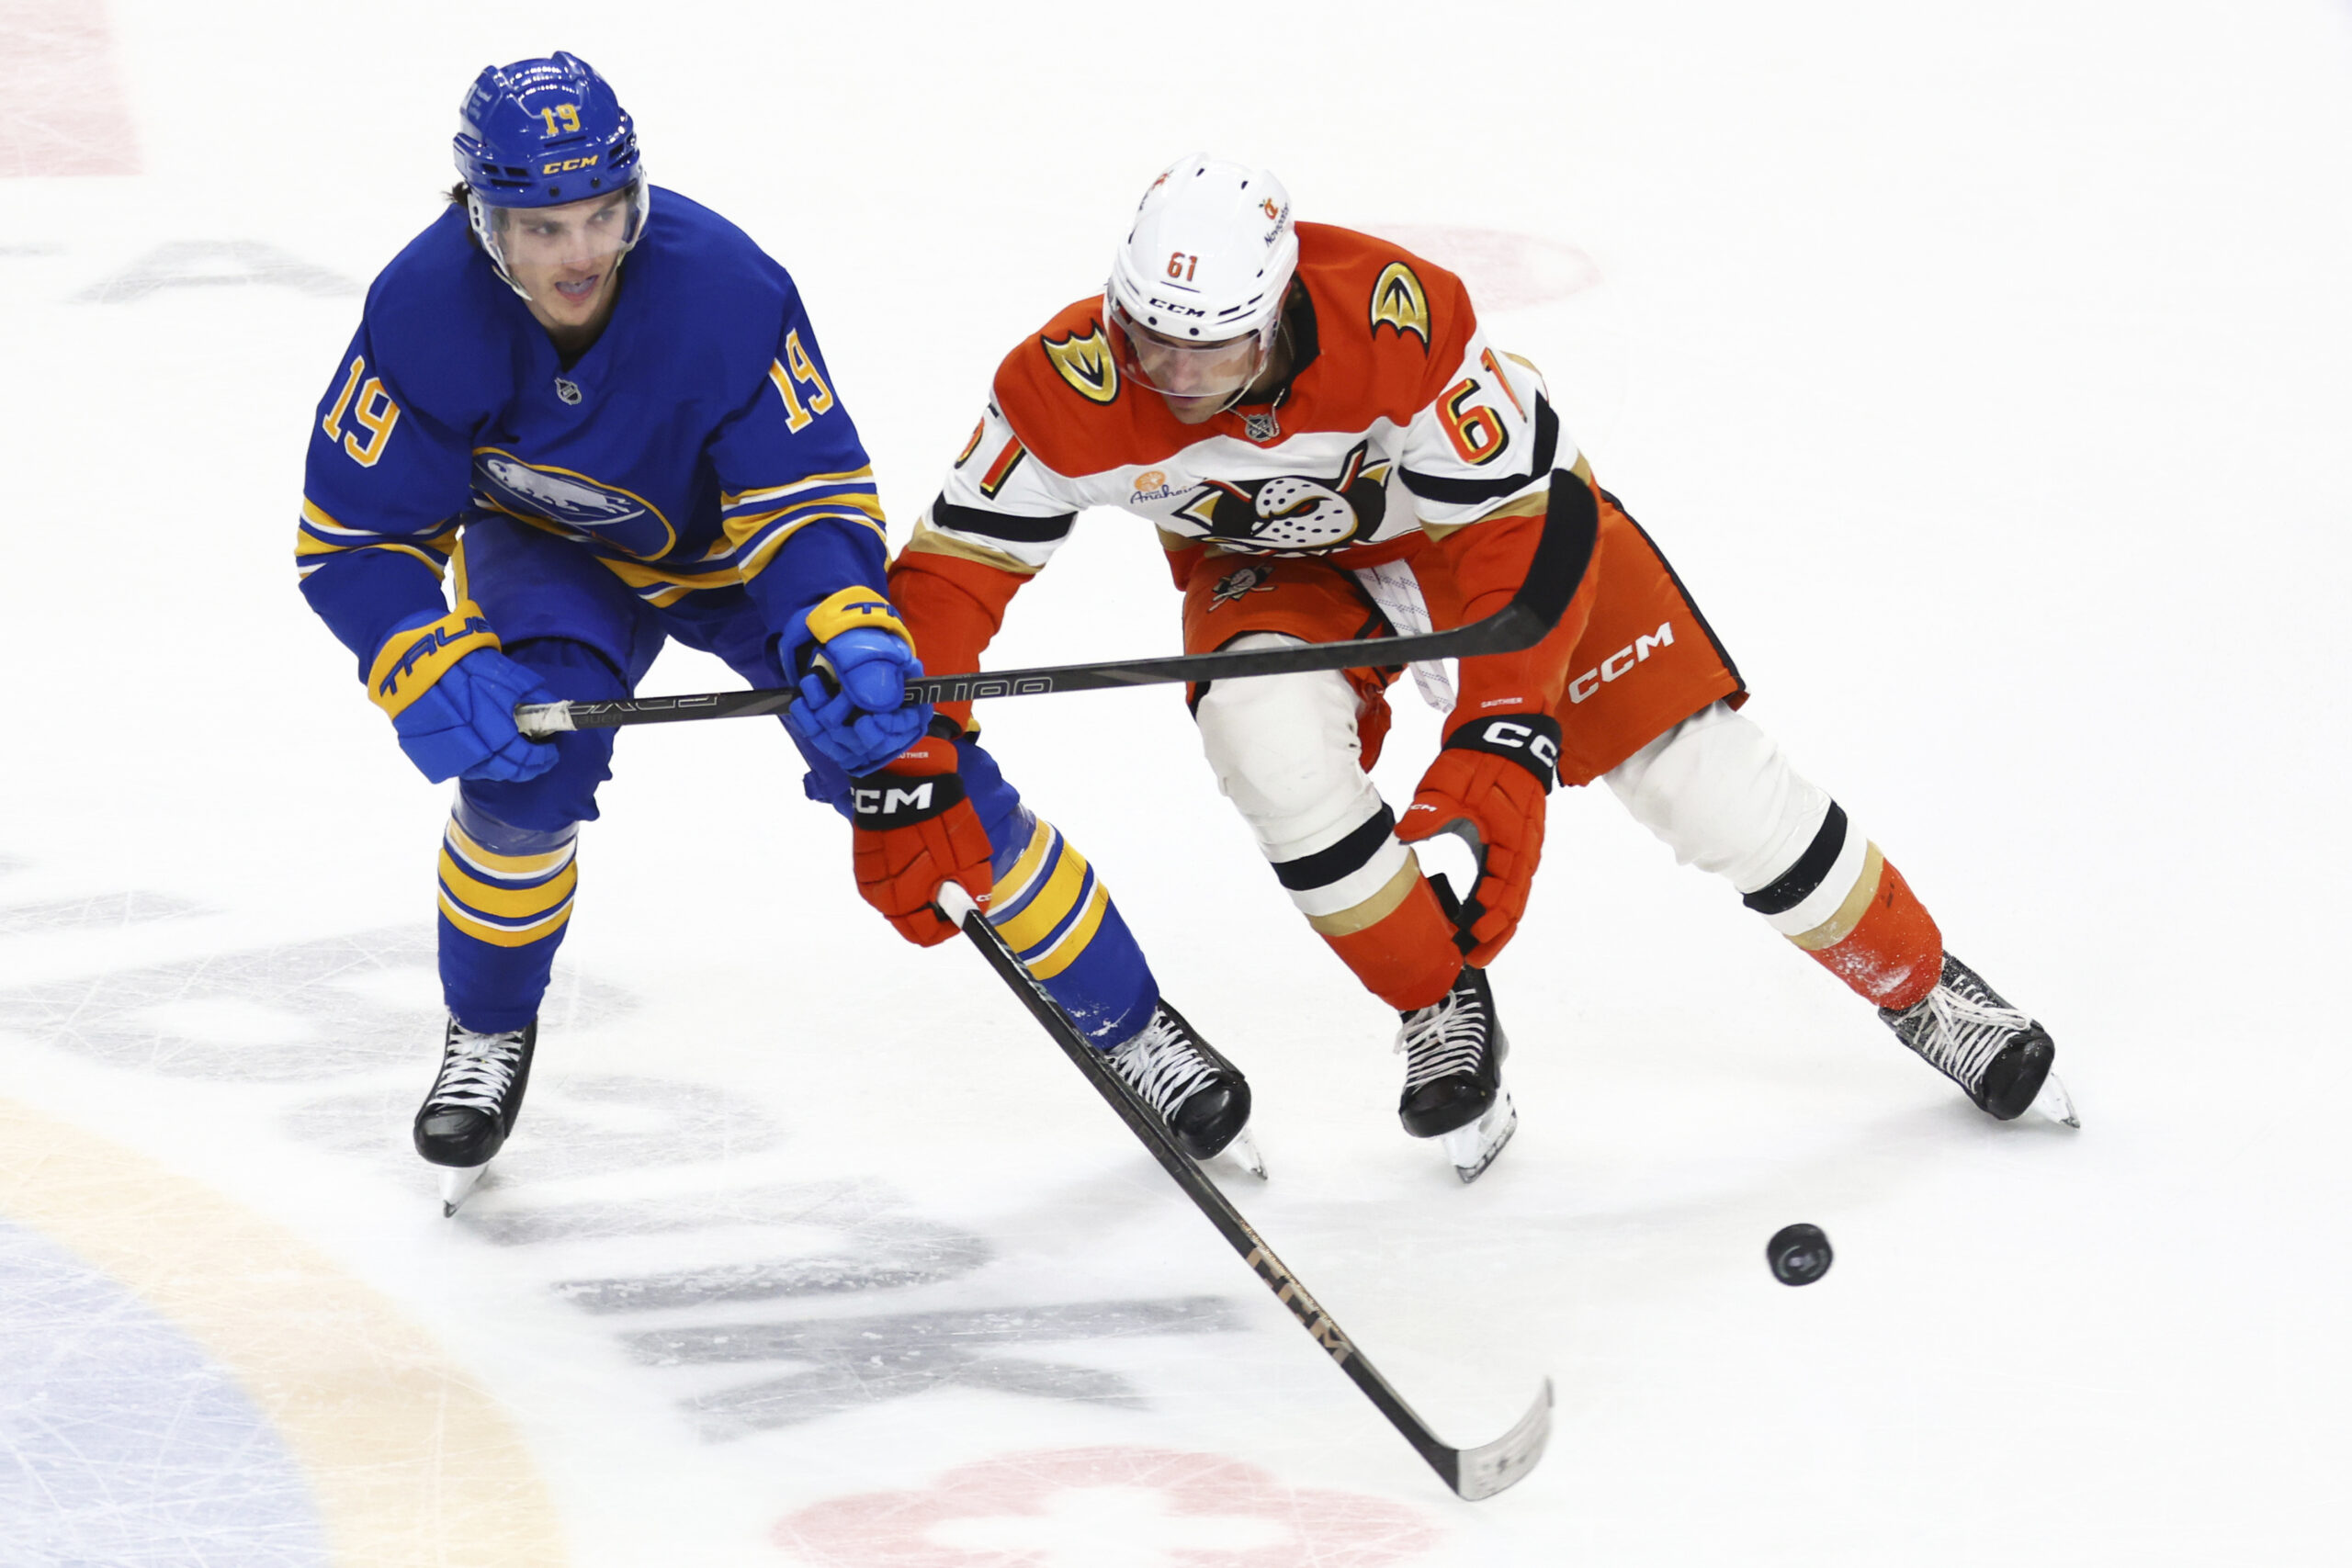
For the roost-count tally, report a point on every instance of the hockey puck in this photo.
(1799, 1254)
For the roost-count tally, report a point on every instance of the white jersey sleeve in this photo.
(1489, 438)
(999, 499)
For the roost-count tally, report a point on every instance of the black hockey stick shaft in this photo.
(1563, 552)
(1472, 1473)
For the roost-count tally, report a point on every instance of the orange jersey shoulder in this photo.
(1390, 329)
(1062, 393)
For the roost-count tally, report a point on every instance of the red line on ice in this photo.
(62, 107)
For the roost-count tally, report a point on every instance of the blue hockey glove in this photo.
(451, 695)
(851, 708)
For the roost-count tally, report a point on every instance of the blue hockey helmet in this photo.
(545, 133)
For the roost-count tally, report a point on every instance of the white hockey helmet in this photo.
(1195, 293)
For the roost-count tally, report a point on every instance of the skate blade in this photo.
(2054, 1102)
(1473, 1148)
(1243, 1151)
(457, 1181)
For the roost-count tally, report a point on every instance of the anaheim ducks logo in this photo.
(1398, 300)
(1086, 364)
(1293, 512)
(1240, 581)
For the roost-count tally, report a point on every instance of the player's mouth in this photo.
(579, 290)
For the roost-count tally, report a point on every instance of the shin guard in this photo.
(1059, 918)
(1399, 942)
(505, 894)
(1846, 906)
(1892, 952)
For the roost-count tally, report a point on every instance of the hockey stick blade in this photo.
(1563, 553)
(1472, 1473)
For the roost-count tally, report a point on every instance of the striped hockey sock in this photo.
(1844, 903)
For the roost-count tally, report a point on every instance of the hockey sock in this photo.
(1398, 941)
(1844, 903)
(1060, 920)
(505, 897)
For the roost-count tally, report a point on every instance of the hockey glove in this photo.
(852, 700)
(1493, 775)
(451, 695)
(915, 833)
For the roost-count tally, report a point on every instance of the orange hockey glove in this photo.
(915, 833)
(1493, 775)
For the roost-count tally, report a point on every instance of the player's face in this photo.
(1197, 380)
(565, 258)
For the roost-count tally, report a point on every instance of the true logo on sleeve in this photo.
(1398, 300)
(1086, 364)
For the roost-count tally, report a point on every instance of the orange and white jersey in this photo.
(1397, 412)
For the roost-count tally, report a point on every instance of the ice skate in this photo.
(1999, 1056)
(475, 1100)
(1453, 1051)
(1197, 1094)
(1473, 1148)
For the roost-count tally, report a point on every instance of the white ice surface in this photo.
(1982, 369)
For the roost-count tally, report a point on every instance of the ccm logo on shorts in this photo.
(1620, 663)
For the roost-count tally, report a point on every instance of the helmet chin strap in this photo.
(1265, 358)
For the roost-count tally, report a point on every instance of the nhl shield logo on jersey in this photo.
(1086, 364)
(1398, 300)
(1295, 511)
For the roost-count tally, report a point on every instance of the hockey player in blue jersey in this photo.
(605, 455)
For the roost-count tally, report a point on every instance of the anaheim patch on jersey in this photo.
(1295, 511)
(1085, 362)
(1398, 300)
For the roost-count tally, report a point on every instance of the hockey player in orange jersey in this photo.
(1330, 449)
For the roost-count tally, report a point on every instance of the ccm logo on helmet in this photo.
(569, 165)
(1621, 662)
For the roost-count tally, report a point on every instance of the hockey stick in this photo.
(1472, 1473)
(1571, 525)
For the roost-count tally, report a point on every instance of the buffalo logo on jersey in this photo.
(570, 500)
(1086, 364)
(1291, 512)
(1398, 300)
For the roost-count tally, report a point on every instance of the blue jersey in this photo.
(697, 444)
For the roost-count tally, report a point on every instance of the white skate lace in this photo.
(1965, 1033)
(1448, 1036)
(476, 1070)
(1160, 1065)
